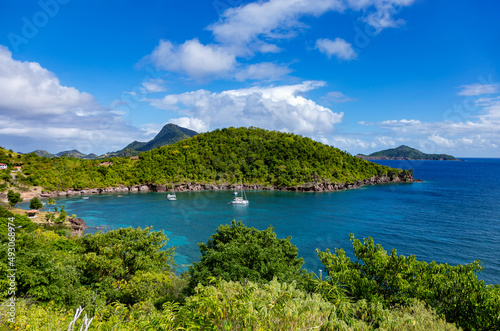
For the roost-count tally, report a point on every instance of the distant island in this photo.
(405, 153)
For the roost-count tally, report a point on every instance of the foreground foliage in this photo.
(247, 279)
(453, 291)
(238, 306)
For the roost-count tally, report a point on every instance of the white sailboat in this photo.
(172, 197)
(240, 200)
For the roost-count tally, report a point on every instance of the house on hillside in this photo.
(3, 166)
(17, 168)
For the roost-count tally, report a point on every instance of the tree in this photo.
(51, 202)
(35, 203)
(237, 253)
(14, 198)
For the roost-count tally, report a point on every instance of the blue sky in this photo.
(361, 75)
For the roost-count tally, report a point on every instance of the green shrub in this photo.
(238, 253)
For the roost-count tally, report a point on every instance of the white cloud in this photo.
(346, 143)
(154, 85)
(339, 97)
(36, 111)
(276, 108)
(193, 58)
(194, 124)
(383, 15)
(338, 47)
(441, 141)
(478, 89)
(280, 19)
(262, 71)
(26, 89)
(491, 108)
(258, 27)
(274, 19)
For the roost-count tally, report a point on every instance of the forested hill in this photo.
(257, 156)
(405, 153)
(224, 156)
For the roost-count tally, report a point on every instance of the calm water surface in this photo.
(452, 217)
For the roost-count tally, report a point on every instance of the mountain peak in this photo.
(169, 134)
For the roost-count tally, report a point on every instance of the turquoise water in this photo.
(452, 217)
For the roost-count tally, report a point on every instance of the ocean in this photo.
(452, 217)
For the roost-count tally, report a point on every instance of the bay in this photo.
(452, 217)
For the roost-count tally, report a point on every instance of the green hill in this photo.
(224, 156)
(41, 152)
(257, 156)
(135, 145)
(169, 134)
(405, 153)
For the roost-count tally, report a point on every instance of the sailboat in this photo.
(240, 200)
(172, 197)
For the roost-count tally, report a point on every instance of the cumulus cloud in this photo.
(193, 58)
(36, 111)
(26, 89)
(194, 124)
(338, 48)
(281, 108)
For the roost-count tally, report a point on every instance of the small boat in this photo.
(172, 197)
(85, 198)
(240, 200)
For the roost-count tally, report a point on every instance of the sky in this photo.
(360, 75)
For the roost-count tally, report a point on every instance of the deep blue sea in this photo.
(452, 217)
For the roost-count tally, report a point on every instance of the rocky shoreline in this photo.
(183, 187)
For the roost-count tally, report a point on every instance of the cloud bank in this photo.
(38, 112)
(282, 108)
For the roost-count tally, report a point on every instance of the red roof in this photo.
(2, 164)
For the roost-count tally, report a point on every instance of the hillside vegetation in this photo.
(222, 156)
(405, 153)
(246, 279)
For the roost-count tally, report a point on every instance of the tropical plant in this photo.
(238, 253)
(391, 280)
